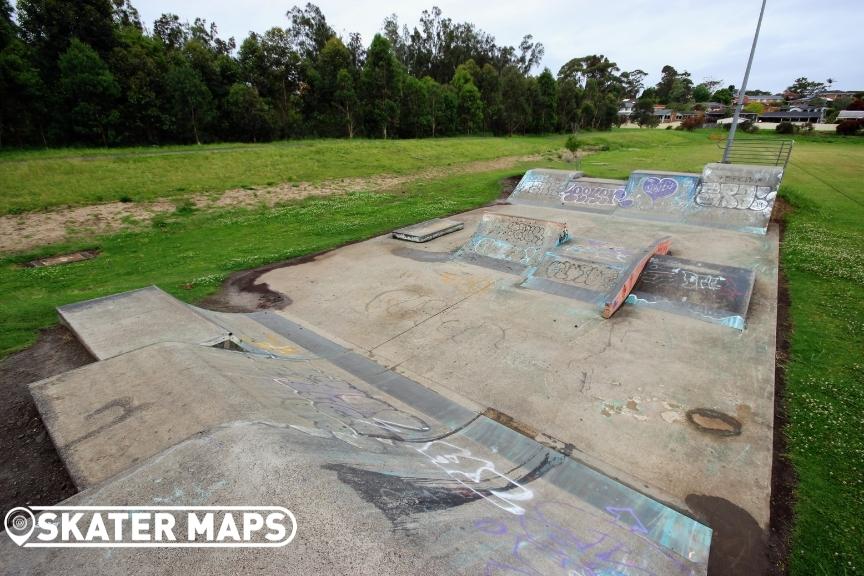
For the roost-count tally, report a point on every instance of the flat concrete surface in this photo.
(122, 322)
(617, 391)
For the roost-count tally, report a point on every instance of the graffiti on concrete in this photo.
(736, 196)
(542, 187)
(719, 294)
(659, 195)
(594, 271)
(657, 188)
(363, 415)
(591, 275)
(470, 471)
(511, 243)
(541, 542)
(593, 194)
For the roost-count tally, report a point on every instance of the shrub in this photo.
(786, 128)
(748, 126)
(849, 127)
(572, 143)
(692, 122)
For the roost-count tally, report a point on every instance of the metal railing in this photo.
(762, 152)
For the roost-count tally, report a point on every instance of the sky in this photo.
(818, 40)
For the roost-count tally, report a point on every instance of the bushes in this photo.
(692, 122)
(850, 127)
(572, 144)
(787, 128)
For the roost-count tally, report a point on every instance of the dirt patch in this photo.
(507, 187)
(783, 478)
(26, 231)
(31, 472)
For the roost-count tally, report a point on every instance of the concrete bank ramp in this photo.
(123, 322)
(382, 474)
(593, 270)
(511, 243)
(710, 292)
(542, 187)
(734, 196)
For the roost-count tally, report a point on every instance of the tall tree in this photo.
(805, 89)
(569, 104)
(382, 77)
(309, 30)
(546, 105)
(21, 87)
(416, 114)
(633, 83)
(249, 115)
(89, 93)
(514, 98)
(192, 103)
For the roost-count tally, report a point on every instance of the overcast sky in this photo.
(816, 39)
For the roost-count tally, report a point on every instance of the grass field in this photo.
(46, 179)
(189, 253)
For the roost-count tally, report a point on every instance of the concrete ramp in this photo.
(511, 243)
(740, 197)
(658, 195)
(123, 322)
(734, 196)
(440, 507)
(542, 187)
(404, 479)
(710, 292)
(593, 195)
(570, 190)
(594, 271)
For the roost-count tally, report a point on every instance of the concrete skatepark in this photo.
(445, 405)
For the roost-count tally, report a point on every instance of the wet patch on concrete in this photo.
(420, 255)
(738, 545)
(714, 422)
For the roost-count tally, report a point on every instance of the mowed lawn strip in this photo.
(190, 254)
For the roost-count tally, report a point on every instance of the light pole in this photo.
(743, 89)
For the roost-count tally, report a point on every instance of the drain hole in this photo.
(714, 422)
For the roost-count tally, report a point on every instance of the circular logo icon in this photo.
(19, 524)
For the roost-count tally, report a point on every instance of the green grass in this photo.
(190, 252)
(38, 180)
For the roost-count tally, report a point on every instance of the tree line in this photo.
(90, 72)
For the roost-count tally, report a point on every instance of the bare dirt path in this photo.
(25, 231)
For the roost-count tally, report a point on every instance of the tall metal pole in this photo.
(743, 89)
